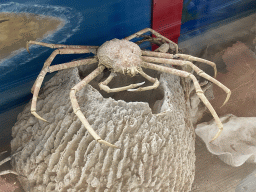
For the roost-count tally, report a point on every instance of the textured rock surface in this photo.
(156, 151)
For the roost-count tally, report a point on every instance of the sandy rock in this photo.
(156, 150)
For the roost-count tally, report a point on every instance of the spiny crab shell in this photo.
(120, 55)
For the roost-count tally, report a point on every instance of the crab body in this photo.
(121, 56)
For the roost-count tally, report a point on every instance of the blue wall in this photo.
(201, 15)
(86, 23)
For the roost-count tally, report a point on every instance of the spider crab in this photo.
(126, 57)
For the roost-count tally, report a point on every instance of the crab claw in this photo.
(106, 143)
(136, 85)
(139, 84)
(227, 98)
(38, 117)
(27, 46)
(133, 89)
(217, 135)
(215, 71)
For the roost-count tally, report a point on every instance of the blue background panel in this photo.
(200, 15)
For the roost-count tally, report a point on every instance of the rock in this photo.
(237, 142)
(156, 151)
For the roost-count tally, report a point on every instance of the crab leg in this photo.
(4, 161)
(153, 32)
(184, 56)
(40, 78)
(151, 79)
(72, 64)
(2, 154)
(37, 86)
(195, 68)
(156, 40)
(77, 109)
(103, 85)
(56, 52)
(9, 171)
(198, 89)
(55, 46)
(192, 58)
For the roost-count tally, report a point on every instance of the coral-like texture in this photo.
(156, 151)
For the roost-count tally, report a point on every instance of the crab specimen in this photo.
(125, 57)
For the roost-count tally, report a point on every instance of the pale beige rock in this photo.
(237, 142)
(156, 151)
